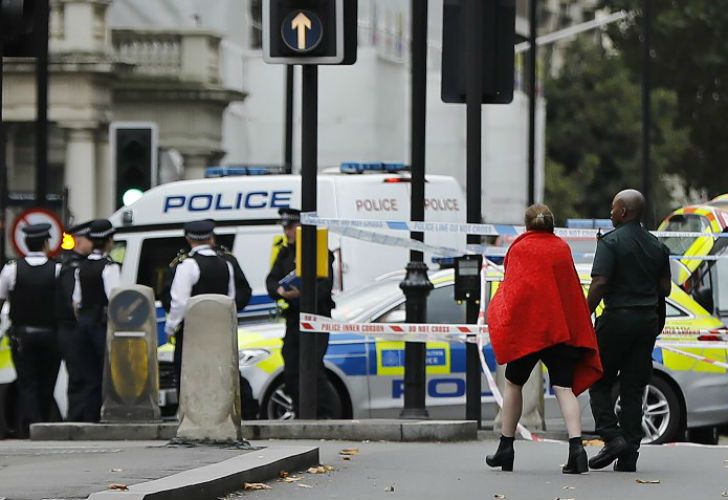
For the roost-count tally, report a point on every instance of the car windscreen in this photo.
(683, 223)
(351, 304)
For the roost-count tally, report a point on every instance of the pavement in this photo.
(31, 470)
(456, 471)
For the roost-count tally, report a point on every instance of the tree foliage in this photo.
(594, 133)
(689, 58)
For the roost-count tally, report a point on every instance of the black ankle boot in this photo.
(502, 458)
(577, 462)
(627, 462)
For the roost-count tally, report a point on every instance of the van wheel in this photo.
(704, 435)
(278, 405)
(662, 412)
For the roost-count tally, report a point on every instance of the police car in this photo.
(245, 207)
(367, 374)
(701, 264)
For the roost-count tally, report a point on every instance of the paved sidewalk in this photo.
(425, 471)
(74, 470)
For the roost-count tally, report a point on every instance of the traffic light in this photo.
(309, 31)
(499, 35)
(17, 19)
(134, 147)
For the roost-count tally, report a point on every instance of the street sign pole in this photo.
(532, 96)
(416, 285)
(41, 127)
(649, 217)
(3, 169)
(474, 82)
(288, 147)
(308, 388)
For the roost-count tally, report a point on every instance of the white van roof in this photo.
(234, 200)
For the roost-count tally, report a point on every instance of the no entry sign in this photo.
(37, 216)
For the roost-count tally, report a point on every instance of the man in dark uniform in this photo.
(30, 284)
(96, 278)
(203, 271)
(284, 264)
(68, 338)
(631, 273)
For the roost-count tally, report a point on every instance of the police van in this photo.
(245, 209)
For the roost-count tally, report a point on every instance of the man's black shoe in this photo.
(627, 462)
(611, 451)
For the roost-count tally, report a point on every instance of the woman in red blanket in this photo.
(540, 313)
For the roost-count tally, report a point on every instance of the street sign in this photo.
(302, 31)
(37, 216)
(309, 31)
(498, 35)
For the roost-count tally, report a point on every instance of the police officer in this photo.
(68, 338)
(631, 273)
(30, 285)
(96, 278)
(203, 271)
(283, 265)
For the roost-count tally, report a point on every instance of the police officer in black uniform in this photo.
(68, 337)
(284, 264)
(631, 273)
(203, 271)
(30, 284)
(96, 278)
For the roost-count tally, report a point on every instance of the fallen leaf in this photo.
(593, 442)
(559, 498)
(647, 481)
(569, 488)
(291, 479)
(304, 485)
(349, 451)
(389, 489)
(321, 469)
(118, 487)
(283, 474)
(345, 457)
(117, 470)
(498, 496)
(255, 486)
(724, 494)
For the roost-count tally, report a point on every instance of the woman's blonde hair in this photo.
(539, 218)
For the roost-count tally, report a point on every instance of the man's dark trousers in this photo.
(74, 353)
(291, 362)
(36, 358)
(92, 336)
(626, 339)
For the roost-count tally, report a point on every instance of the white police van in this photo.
(245, 208)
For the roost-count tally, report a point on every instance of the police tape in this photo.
(312, 219)
(697, 357)
(313, 323)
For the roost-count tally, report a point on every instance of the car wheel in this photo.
(704, 435)
(662, 412)
(278, 405)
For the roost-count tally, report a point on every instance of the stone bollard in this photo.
(209, 407)
(131, 372)
(533, 403)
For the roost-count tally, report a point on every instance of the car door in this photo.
(445, 362)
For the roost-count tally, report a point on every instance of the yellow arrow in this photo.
(301, 23)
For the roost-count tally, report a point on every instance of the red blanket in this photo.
(541, 303)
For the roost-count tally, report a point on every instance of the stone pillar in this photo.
(80, 176)
(106, 178)
(209, 405)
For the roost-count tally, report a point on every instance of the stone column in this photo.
(106, 178)
(80, 175)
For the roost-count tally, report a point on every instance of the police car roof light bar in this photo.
(235, 171)
(351, 167)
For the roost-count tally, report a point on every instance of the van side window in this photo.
(442, 308)
(157, 253)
